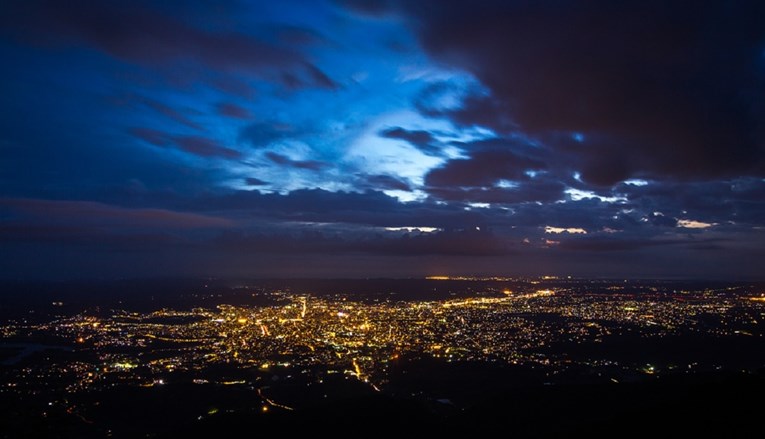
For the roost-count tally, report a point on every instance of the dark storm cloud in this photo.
(148, 34)
(232, 110)
(309, 223)
(482, 168)
(320, 79)
(98, 242)
(72, 223)
(610, 244)
(235, 86)
(526, 191)
(452, 243)
(169, 112)
(253, 181)
(367, 7)
(106, 230)
(590, 214)
(376, 209)
(669, 90)
(415, 137)
(138, 32)
(488, 162)
(129, 131)
(309, 76)
(421, 139)
(295, 222)
(205, 147)
(149, 135)
(371, 208)
(311, 165)
(740, 200)
(661, 220)
(87, 213)
(474, 107)
(261, 134)
(300, 36)
(196, 145)
(296, 202)
(384, 182)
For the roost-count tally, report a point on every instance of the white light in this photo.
(559, 230)
(577, 194)
(480, 205)
(693, 224)
(507, 184)
(413, 229)
(406, 196)
(635, 182)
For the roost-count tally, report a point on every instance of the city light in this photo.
(317, 336)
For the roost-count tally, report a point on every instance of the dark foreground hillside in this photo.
(710, 406)
(719, 405)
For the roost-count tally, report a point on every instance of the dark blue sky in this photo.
(366, 138)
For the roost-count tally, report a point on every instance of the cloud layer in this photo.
(382, 138)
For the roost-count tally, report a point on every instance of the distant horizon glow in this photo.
(413, 229)
(692, 224)
(559, 230)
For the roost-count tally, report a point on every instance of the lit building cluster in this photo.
(363, 339)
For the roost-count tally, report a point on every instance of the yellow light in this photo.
(125, 365)
(264, 409)
(241, 320)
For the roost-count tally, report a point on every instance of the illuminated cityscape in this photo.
(388, 218)
(549, 325)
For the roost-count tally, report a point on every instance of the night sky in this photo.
(387, 139)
